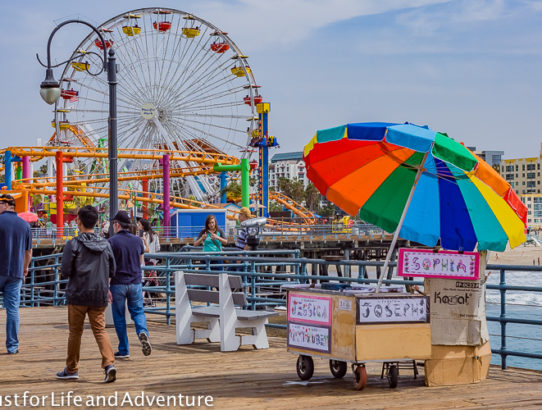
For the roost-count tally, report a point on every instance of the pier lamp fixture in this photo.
(50, 92)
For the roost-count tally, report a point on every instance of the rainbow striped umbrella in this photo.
(418, 183)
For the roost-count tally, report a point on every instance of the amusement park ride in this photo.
(185, 96)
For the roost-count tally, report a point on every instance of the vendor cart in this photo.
(354, 325)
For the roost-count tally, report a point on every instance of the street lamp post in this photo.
(50, 92)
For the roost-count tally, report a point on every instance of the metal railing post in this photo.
(168, 291)
(32, 282)
(55, 287)
(253, 284)
(502, 291)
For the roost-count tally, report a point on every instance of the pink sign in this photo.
(309, 309)
(442, 264)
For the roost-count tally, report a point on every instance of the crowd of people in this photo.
(100, 271)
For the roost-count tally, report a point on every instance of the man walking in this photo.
(126, 285)
(15, 255)
(88, 262)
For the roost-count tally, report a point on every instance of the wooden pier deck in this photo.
(245, 379)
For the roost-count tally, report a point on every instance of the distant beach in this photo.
(520, 255)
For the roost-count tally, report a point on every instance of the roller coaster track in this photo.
(78, 185)
(209, 158)
(293, 206)
(79, 134)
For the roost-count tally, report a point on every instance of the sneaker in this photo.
(119, 355)
(110, 374)
(65, 375)
(145, 344)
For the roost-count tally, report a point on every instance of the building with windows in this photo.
(287, 165)
(493, 158)
(523, 174)
(534, 210)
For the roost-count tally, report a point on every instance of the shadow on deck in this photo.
(244, 379)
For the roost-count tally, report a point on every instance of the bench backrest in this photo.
(212, 296)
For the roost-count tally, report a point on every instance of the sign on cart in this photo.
(442, 264)
(413, 309)
(309, 337)
(309, 309)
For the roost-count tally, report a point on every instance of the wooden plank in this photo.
(397, 341)
(203, 279)
(246, 379)
(211, 296)
(343, 328)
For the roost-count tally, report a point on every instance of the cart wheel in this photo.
(360, 377)
(393, 376)
(338, 368)
(305, 367)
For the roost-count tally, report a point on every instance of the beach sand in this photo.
(520, 255)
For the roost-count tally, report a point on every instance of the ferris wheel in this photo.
(183, 84)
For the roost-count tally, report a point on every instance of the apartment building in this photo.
(287, 165)
(523, 174)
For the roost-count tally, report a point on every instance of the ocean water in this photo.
(519, 304)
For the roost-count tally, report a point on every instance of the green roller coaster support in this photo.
(244, 167)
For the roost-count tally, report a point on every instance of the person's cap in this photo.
(7, 199)
(122, 217)
(245, 211)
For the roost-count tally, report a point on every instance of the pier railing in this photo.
(307, 232)
(264, 272)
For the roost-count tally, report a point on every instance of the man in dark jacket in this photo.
(88, 262)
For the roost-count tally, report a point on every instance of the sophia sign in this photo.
(443, 264)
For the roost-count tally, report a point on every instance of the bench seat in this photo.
(222, 319)
(214, 311)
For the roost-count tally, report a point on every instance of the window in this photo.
(531, 167)
(509, 176)
(531, 175)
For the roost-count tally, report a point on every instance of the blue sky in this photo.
(471, 68)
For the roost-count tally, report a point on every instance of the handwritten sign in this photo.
(442, 264)
(412, 309)
(309, 309)
(309, 337)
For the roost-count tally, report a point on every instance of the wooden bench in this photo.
(223, 318)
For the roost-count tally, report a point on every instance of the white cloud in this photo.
(254, 23)
(535, 5)
(429, 21)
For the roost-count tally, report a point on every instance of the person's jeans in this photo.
(134, 295)
(76, 321)
(11, 287)
(213, 267)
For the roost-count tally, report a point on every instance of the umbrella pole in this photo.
(400, 224)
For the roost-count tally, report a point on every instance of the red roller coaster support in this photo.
(59, 194)
(145, 188)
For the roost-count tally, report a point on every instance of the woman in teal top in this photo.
(212, 237)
